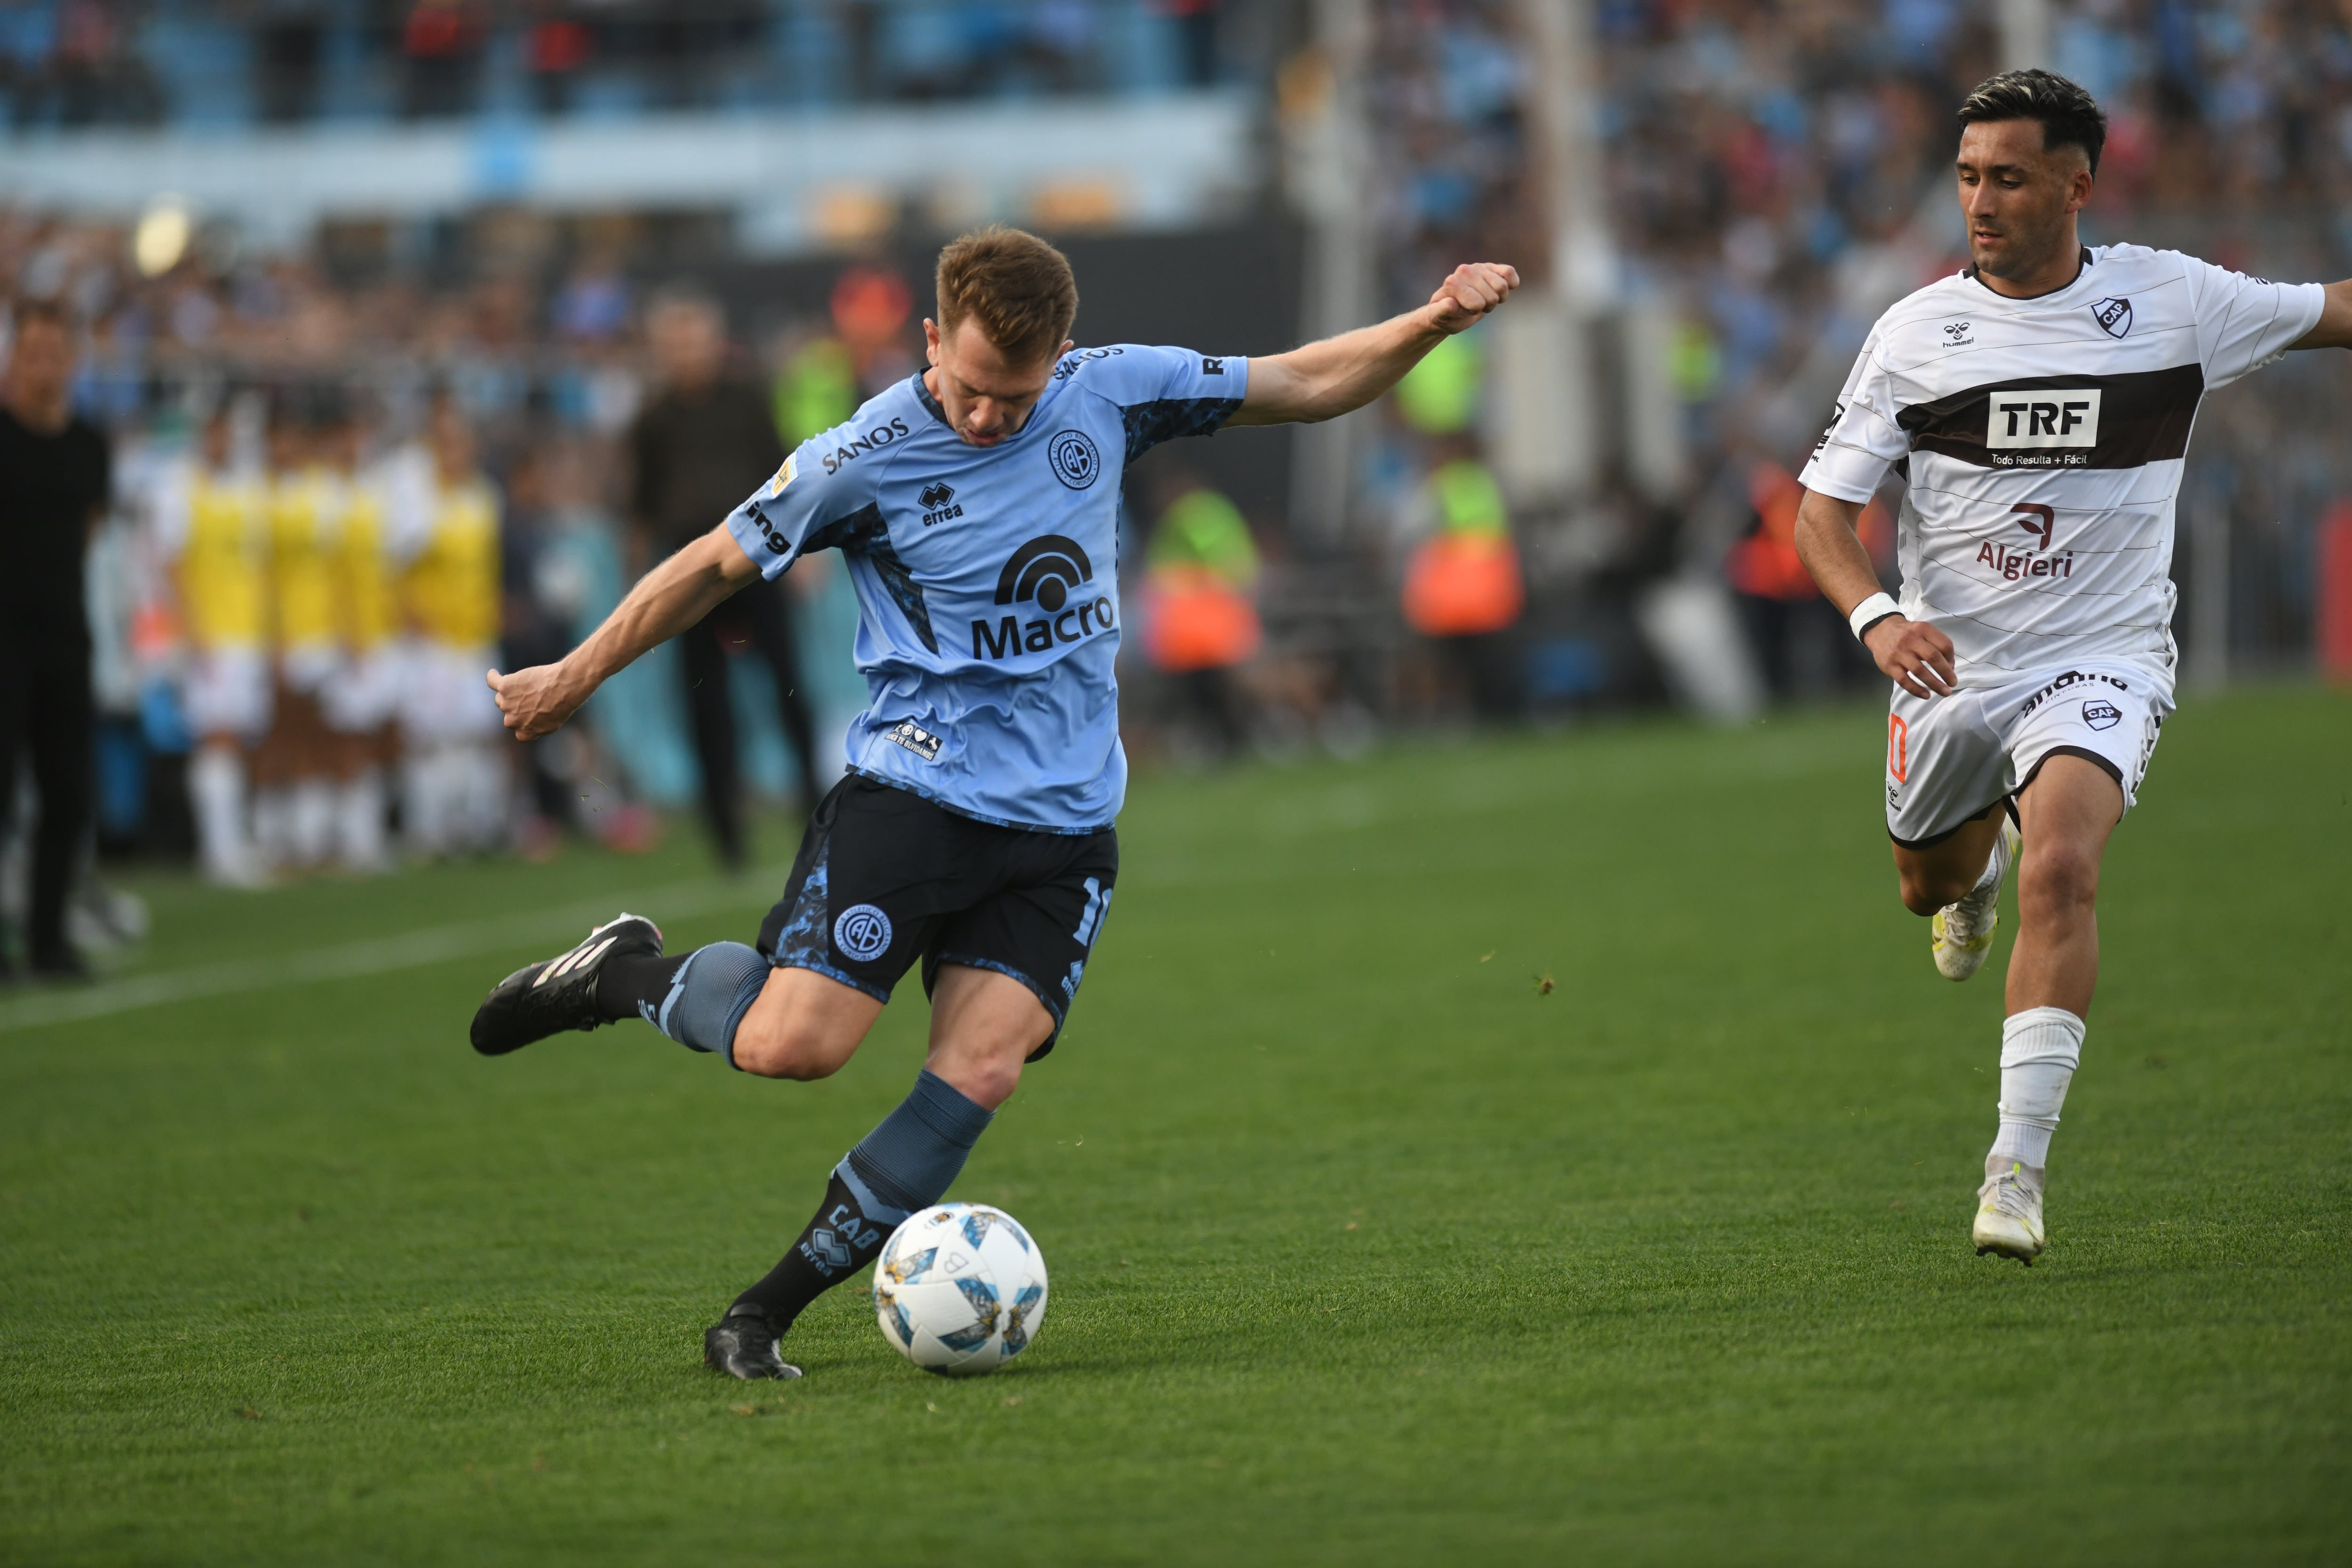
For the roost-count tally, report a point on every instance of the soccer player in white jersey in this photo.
(2038, 405)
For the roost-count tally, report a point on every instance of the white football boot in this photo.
(1961, 933)
(2009, 1214)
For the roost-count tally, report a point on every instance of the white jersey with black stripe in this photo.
(2042, 442)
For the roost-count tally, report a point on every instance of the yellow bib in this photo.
(301, 548)
(451, 589)
(225, 566)
(368, 601)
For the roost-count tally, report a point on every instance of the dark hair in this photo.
(1017, 287)
(2068, 117)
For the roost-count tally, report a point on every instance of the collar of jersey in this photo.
(932, 404)
(2082, 271)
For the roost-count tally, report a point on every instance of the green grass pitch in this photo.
(1362, 1248)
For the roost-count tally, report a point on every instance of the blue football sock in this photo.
(706, 997)
(905, 1163)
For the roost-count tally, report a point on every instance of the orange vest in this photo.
(1461, 585)
(1194, 620)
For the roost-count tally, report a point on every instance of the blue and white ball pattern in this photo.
(960, 1289)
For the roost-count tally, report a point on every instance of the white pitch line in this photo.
(378, 955)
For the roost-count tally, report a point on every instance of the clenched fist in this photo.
(1474, 288)
(536, 701)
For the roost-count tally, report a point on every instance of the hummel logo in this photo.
(937, 500)
(1956, 334)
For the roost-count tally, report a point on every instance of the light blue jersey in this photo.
(987, 577)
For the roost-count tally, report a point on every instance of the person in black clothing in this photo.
(55, 473)
(699, 448)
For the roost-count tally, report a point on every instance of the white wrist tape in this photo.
(1877, 607)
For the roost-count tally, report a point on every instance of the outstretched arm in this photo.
(667, 600)
(1914, 655)
(1324, 380)
(2333, 329)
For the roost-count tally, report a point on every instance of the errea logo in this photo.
(2045, 418)
(938, 503)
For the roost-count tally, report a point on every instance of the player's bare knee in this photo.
(2057, 879)
(784, 1047)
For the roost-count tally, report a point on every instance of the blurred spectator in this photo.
(705, 442)
(294, 767)
(454, 768)
(56, 478)
(442, 43)
(210, 522)
(1804, 645)
(361, 704)
(1462, 587)
(1198, 621)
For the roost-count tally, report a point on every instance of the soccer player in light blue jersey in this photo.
(977, 505)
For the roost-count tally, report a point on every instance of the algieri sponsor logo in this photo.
(2011, 564)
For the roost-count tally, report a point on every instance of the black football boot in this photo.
(742, 1344)
(547, 998)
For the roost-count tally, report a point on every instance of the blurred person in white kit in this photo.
(443, 523)
(210, 521)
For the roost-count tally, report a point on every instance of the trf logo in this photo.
(1049, 571)
(938, 499)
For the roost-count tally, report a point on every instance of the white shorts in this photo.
(228, 691)
(365, 693)
(1951, 759)
(310, 666)
(443, 697)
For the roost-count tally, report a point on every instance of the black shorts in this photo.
(885, 875)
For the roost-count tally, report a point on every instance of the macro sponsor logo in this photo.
(2042, 420)
(938, 503)
(1052, 573)
(873, 440)
(2114, 316)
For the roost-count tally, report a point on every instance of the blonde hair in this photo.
(1018, 288)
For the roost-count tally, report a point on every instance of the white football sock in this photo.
(314, 820)
(358, 822)
(424, 813)
(273, 824)
(217, 791)
(2039, 1049)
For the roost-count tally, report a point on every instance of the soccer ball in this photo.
(960, 1289)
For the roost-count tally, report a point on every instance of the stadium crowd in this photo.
(340, 489)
